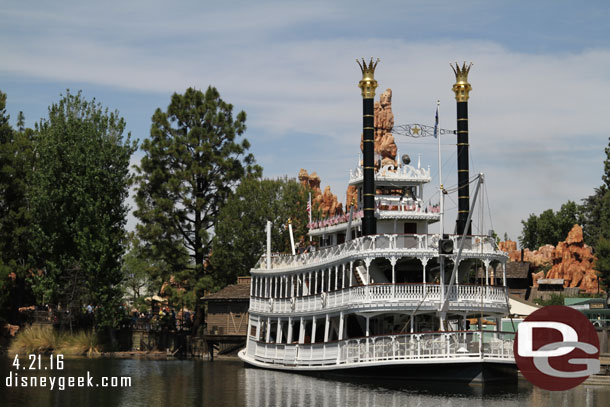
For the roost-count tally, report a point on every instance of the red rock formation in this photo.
(508, 246)
(385, 145)
(330, 205)
(326, 201)
(351, 198)
(571, 260)
(541, 257)
(312, 181)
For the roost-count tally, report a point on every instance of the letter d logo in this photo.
(526, 339)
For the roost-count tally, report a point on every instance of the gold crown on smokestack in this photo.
(461, 87)
(368, 84)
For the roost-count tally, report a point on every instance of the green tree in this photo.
(192, 163)
(16, 156)
(591, 215)
(549, 227)
(79, 188)
(593, 226)
(138, 272)
(529, 233)
(606, 174)
(240, 237)
(602, 265)
(602, 246)
(21, 122)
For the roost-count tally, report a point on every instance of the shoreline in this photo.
(143, 355)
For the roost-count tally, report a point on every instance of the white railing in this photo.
(384, 296)
(398, 203)
(403, 172)
(378, 245)
(417, 346)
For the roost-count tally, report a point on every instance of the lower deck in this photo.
(467, 356)
(472, 350)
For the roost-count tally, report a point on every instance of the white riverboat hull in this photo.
(463, 370)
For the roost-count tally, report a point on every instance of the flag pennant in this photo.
(436, 123)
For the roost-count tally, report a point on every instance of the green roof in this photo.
(580, 300)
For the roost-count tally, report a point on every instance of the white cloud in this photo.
(538, 121)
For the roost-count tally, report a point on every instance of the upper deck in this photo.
(420, 246)
(403, 175)
(387, 208)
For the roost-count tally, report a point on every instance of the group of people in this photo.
(165, 318)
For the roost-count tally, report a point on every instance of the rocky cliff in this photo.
(326, 201)
(385, 145)
(571, 260)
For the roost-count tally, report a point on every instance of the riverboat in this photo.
(387, 299)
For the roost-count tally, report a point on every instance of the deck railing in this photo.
(403, 172)
(387, 295)
(417, 346)
(378, 245)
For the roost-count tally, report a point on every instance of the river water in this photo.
(229, 383)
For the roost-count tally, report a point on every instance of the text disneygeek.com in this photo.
(63, 382)
(40, 363)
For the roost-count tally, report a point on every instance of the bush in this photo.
(556, 299)
(37, 339)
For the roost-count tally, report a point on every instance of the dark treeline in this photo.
(63, 187)
(201, 207)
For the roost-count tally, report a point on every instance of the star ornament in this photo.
(416, 130)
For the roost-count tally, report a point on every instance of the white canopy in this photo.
(520, 307)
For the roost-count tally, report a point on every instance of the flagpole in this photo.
(441, 259)
(310, 209)
(440, 170)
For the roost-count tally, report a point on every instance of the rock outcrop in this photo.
(326, 201)
(539, 258)
(571, 260)
(351, 198)
(385, 145)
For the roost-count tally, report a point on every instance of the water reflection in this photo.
(222, 383)
(270, 388)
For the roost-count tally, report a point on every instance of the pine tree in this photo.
(192, 163)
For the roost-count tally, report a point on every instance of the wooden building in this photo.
(518, 277)
(227, 317)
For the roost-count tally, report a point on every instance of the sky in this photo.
(539, 113)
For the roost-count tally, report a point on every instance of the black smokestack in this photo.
(462, 89)
(368, 84)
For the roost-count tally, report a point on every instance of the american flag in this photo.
(309, 207)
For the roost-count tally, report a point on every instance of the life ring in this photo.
(270, 304)
(323, 299)
(292, 303)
